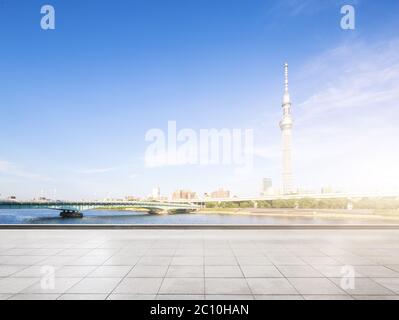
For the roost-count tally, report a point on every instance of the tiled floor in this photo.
(199, 264)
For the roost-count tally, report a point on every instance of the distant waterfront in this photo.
(42, 216)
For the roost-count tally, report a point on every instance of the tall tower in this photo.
(286, 126)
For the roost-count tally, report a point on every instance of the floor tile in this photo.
(261, 272)
(390, 283)
(185, 272)
(110, 272)
(315, 286)
(299, 272)
(226, 286)
(139, 286)
(33, 296)
(73, 296)
(140, 271)
(220, 261)
(270, 286)
(15, 285)
(56, 285)
(95, 285)
(182, 286)
(187, 261)
(223, 272)
(74, 271)
(117, 296)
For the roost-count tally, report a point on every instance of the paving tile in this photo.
(377, 271)
(34, 296)
(6, 271)
(261, 272)
(5, 296)
(56, 285)
(161, 252)
(189, 252)
(220, 261)
(229, 297)
(270, 286)
(223, 272)
(117, 296)
(110, 272)
(390, 283)
(36, 271)
(73, 252)
(335, 271)
(185, 272)
(278, 297)
(366, 297)
(139, 286)
(362, 286)
(118, 260)
(56, 260)
(88, 261)
(182, 286)
(327, 297)
(320, 261)
(74, 271)
(24, 260)
(299, 272)
(254, 261)
(15, 285)
(315, 286)
(193, 297)
(394, 267)
(226, 286)
(73, 296)
(155, 261)
(140, 271)
(287, 261)
(95, 285)
(356, 261)
(187, 261)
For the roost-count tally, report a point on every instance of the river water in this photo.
(43, 216)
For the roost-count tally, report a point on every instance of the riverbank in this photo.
(300, 213)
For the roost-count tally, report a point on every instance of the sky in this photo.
(77, 102)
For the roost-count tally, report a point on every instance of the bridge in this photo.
(73, 209)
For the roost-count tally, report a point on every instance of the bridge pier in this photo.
(71, 214)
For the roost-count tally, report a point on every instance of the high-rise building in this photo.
(286, 126)
(156, 193)
(267, 187)
(183, 195)
(218, 194)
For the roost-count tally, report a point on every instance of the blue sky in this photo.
(77, 101)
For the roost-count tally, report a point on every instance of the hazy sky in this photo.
(76, 102)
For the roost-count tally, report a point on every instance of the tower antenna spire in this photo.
(286, 76)
(286, 127)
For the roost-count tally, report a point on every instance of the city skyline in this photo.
(75, 112)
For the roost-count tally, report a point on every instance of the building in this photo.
(183, 195)
(156, 193)
(286, 128)
(326, 189)
(220, 193)
(267, 187)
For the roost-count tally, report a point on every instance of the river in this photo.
(44, 216)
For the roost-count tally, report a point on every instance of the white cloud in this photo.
(346, 131)
(96, 170)
(11, 169)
